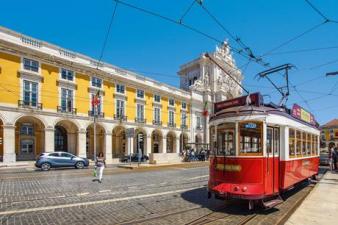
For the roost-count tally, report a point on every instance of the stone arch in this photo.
(41, 119)
(183, 141)
(29, 137)
(119, 142)
(65, 136)
(156, 141)
(140, 142)
(100, 139)
(171, 142)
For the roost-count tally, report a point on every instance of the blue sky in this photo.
(157, 48)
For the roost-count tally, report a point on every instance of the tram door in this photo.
(273, 148)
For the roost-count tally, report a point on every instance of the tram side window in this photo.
(276, 140)
(298, 143)
(212, 140)
(250, 134)
(303, 143)
(308, 144)
(313, 146)
(292, 152)
(316, 145)
(226, 139)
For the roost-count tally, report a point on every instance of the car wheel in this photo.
(45, 166)
(79, 165)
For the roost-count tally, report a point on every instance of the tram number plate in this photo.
(229, 167)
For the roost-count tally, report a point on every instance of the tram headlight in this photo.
(236, 188)
(244, 189)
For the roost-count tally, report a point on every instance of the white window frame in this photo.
(124, 89)
(173, 113)
(124, 107)
(91, 82)
(155, 98)
(154, 115)
(173, 105)
(137, 111)
(30, 71)
(137, 92)
(73, 98)
(23, 91)
(60, 77)
(184, 103)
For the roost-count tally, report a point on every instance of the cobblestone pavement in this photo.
(175, 195)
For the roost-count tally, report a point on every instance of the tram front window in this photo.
(250, 135)
(226, 139)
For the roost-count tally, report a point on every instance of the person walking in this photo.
(331, 153)
(334, 158)
(100, 165)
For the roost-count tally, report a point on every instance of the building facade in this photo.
(46, 97)
(329, 133)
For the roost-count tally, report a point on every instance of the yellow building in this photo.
(329, 133)
(46, 97)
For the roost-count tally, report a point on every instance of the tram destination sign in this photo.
(301, 114)
(256, 99)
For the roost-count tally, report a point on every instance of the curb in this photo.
(154, 166)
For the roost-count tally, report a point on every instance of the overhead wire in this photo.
(177, 22)
(187, 11)
(232, 36)
(107, 34)
(304, 50)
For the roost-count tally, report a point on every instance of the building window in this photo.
(30, 64)
(157, 98)
(250, 134)
(171, 102)
(157, 115)
(96, 82)
(198, 122)
(184, 105)
(119, 108)
(99, 106)
(67, 74)
(140, 111)
(66, 100)
(184, 119)
(27, 129)
(171, 117)
(30, 93)
(140, 94)
(120, 88)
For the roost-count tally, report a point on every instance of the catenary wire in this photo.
(107, 34)
(187, 11)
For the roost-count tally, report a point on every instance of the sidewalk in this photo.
(321, 205)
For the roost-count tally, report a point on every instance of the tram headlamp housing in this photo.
(244, 189)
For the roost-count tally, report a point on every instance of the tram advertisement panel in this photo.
(302, 114)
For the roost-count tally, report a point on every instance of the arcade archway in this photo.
(29, 138)
(156, 141)
(119, 142)
(100, 140)
(65, 136)
(171, 142)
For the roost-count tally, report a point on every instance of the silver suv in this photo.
(49, 160)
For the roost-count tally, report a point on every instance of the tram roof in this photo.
(264, 109)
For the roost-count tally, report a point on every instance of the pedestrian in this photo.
(331, 150)
(335, 158)
(100, 165)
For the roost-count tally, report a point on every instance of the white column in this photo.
(177, 143)
(164, 145)
(130, 147)
(108, 147)
(49, 140)
(148, 146)
(9, 144)
(81, 143)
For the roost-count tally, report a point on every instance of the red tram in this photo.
(260, 150)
